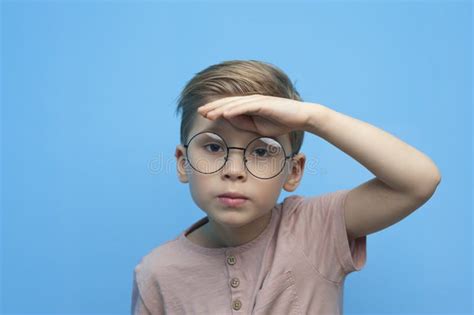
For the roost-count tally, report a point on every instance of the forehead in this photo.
(231, 134)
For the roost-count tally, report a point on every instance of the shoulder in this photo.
(297, 208)
(291, 203)
(158, 260)
(296, 202)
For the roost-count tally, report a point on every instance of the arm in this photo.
(138, 306)
(405, 177)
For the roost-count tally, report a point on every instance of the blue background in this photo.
(89, 182)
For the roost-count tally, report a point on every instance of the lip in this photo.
(232, 199)
(232, 202)
(233, 195)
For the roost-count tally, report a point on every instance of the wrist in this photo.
(317, 118)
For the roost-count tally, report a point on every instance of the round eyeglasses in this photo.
(264, 157)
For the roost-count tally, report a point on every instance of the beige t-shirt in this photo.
(297, 265)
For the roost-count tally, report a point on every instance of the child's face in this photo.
(262, 194)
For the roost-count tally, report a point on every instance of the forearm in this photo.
(391, 160)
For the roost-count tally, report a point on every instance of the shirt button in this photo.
(236, 305)
(231, 260)
(235, 282)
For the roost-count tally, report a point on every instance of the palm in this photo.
(259, 124)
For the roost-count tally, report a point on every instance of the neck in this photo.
(223, 236)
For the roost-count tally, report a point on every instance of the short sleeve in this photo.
(146, 296)
(318, 224)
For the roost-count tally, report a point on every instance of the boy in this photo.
(242, 127)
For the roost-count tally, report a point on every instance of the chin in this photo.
(234, 218)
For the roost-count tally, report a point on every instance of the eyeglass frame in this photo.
(243, 156)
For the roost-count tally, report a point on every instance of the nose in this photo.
(235, 165)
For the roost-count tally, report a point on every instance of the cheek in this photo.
(266, 195)
(200, 189)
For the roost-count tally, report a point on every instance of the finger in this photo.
(224, 109)
(243, 122)
(250, 108)
(217, 112)
(205, 109)
(215, 104)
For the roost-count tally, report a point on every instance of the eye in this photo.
(260, 152)
(213, 147)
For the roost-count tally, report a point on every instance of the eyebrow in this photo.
(222, 130)
(215, 128)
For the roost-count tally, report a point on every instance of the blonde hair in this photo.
(235, 78)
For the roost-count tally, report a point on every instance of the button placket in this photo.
(234, 282)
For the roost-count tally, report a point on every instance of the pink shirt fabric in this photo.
(297, 265)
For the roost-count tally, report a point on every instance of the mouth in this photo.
(232, 202)
(232, 199)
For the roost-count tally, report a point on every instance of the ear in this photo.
(296, 172)
(181, 163)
